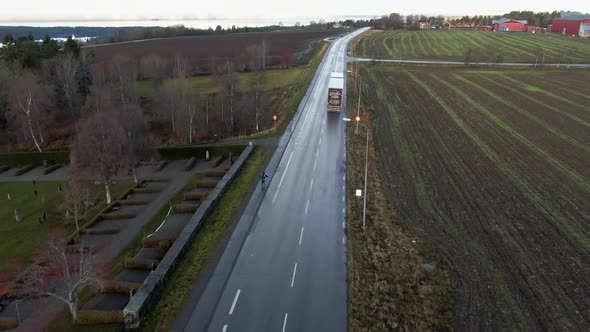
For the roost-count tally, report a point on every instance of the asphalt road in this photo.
(290, 274)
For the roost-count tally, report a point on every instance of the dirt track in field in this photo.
(492, 168)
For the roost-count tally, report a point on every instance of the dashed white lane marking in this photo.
(224, 327)
(343, 177)
(306, 206)
(343, 240)
(285, 322)
(343, 210)
(343, 224)
(301, 236)
(315, 165)
(320, 142)
(294, 272)
(233, 305)
(283, 177)
(343, 198)
(317, 153)
(311, 185)
(343, 188)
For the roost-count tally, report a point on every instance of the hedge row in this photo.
(195, 196)
(92, 317)
(116, 216)
(35, 158)
(207, 183)
(160, 166)
(141, 263)
(146, 190)
(24, 169)
(7, 323)
(121, 287)
(216, 161)
(215, 174)
(4, 168)
(186, 152)
(185, 208)
(50, 169)
(190, 164)
(163, 152)
(99, 231)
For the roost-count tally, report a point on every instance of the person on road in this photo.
(263, 177)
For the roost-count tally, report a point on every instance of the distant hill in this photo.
(59, 32)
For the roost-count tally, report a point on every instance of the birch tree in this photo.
(66, 70)
(29, 103)
(100, 150)
(76, 198)
(61, 274)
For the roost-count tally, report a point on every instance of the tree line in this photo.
(42, 100)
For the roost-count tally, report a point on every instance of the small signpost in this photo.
(359, 193)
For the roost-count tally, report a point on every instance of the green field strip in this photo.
(530, 44)
(443, 43)
(550, 211)
(430, 42)
(579, 179)
(417, 43)
(537, 101)
(387, 48)
(566, 88)
(564, 42)
(502, 42)
(545, 92)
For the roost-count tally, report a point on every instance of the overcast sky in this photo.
(43, 10)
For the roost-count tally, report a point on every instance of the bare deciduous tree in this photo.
(257, 83)
(61, 274)
(29, 102)
(227, 80)
(100, 150)
(66, 71)
(133, 122)
(76, 199)
(124, 75)
(152, 67)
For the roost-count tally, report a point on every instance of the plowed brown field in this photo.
(492, 168)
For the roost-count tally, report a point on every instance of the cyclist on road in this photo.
(263, 177)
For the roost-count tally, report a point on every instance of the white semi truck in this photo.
(335, 92)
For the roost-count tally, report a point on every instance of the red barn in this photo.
(566, 27)
(506, 25)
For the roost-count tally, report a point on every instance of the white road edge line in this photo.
(283, 177)
(233, 305)
(285, 322)
(294, 272)
(306, 206)
(224, 327)
(301, 236)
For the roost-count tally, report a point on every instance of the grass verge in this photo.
(389, 286)
(183, 278)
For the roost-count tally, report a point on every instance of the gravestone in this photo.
(17, 215)
(207, 155)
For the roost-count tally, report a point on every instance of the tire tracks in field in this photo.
(540, 203)
(580, 180)
(538, 102)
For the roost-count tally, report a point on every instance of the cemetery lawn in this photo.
(20, 240)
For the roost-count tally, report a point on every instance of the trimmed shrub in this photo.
(185, 208)
(24, 169)
(181, 152)
(207, 183)
(4, 168)
(215, 174)
(155, 241)
(198, 196)
(102, 231)
(190, 164)
(146, 190)
(132, 203)
(35, 158)
(216, 161)
(92, 317)
(141, 263)
(50, 169)
(157, 180)
(116, 216)
(160, 166)
(121, 287)
(8, 323)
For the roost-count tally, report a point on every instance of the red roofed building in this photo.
(566, 27)
(510, 25)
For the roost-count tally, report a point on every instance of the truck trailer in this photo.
(335, 92)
